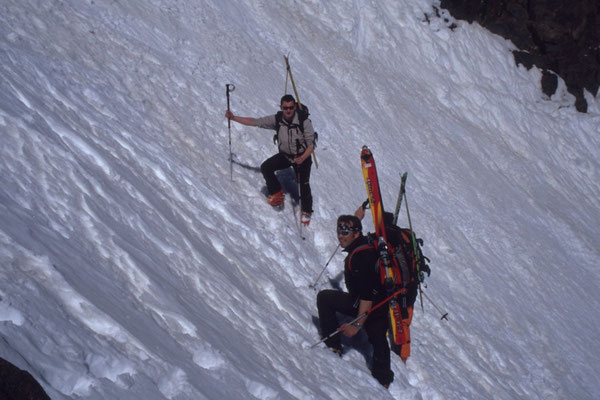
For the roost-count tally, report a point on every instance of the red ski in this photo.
(388, 264)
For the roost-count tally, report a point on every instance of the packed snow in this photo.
(134, 267)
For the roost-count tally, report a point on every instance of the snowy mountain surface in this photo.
(134, 267)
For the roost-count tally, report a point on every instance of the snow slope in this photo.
(134, 267)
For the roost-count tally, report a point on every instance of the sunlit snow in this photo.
(133, 267)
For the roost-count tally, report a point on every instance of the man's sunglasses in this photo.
(345, 230)
(288, 108)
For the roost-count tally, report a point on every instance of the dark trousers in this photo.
(280, 161)
(331, 301)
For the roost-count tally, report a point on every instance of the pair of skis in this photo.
(389, 269)
(390, 273)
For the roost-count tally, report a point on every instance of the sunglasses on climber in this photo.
(288, 108)
(345, 230)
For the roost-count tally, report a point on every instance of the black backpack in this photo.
(303, 115)
(411, 267)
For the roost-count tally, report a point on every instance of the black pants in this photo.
(331, 301)
(280, 161)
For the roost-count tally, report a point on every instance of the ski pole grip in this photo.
(338, 331)
(228, 89)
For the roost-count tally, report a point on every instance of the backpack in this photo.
(411, 267)
(303, 115)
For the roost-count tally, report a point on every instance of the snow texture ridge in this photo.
(133, 267)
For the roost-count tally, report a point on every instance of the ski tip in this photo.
(366, 154)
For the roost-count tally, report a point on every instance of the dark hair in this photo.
(287, 98)
(350, 218)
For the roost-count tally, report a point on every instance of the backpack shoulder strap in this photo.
(278, 120)
(303, 114)
(356, 250)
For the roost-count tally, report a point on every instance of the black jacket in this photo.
(361, 273)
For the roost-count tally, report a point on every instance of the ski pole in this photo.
(289, 71)
(297, 169)
(375, 307)
(444, 314)
(364, 205)
(287, 76)
(298, 172)
(324, 268)
(400, 195)
(229, 88)
(414, 243)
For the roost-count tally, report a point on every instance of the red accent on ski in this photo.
(373, 192)
(391, 272)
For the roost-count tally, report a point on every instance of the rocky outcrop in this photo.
(16, 384)
(560, 37)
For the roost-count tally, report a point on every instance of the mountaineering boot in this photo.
(305, 219)
(337, 351)
(276, 199)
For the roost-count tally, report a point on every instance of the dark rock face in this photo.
(16, 384)
(560, 37)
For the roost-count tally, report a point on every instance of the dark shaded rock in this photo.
(555, 35)
(16, 384)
